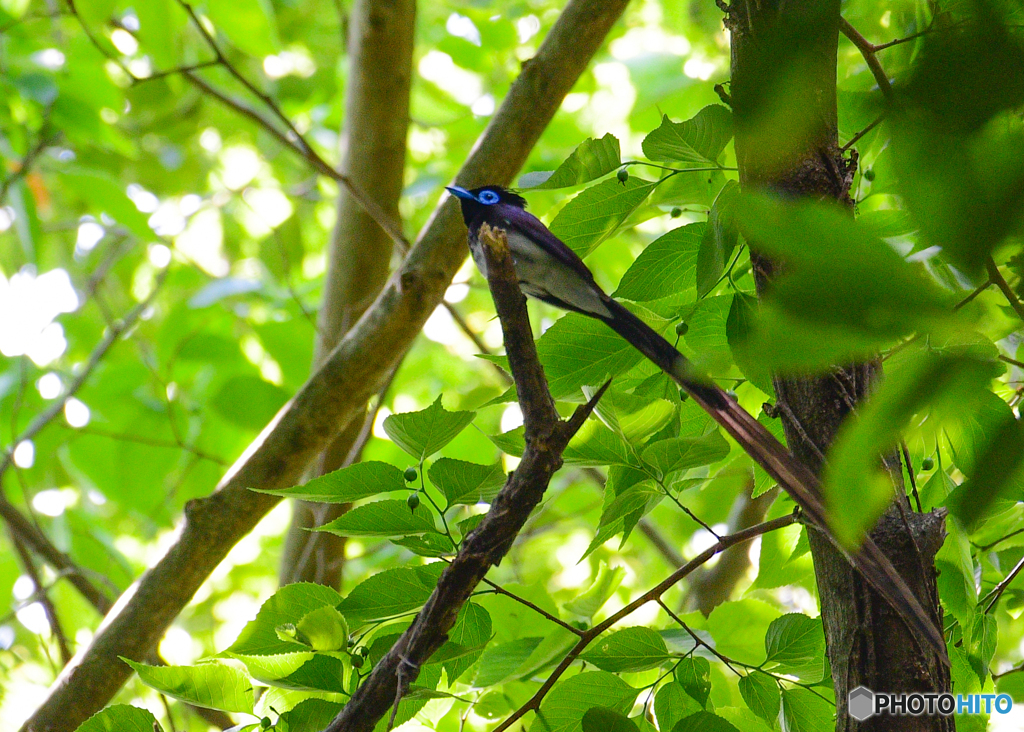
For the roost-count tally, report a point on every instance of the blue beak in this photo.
(459, 192)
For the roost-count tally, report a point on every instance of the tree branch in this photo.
(546, 438)
(996, 278)
(868, 51)
(337, 392)
(651, 595)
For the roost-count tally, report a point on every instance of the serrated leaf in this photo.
(666, 267)
(761, 693)
(563, 708)
(719, 240)
(391, 592)
(681, 453)
(694, 675)
(601, 589)
(361, 480)
(600, 719)
(578, 351)
(310, 714)
(795, 644)
(288, 605)
(672, 704)
(423, 433)
(590, 160)
(704, 722)
(805, 711)
(628, 650)
(497, 663)
(596, 213)
(464, 482)
(383, 519)
(121, 718)
(209, 685)
(738, 328)
(595, 445)
(707, 333)
(699, 140)
(324, 628)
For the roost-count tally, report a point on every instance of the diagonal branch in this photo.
(546, 438)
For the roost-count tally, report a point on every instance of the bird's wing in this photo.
(535, 229)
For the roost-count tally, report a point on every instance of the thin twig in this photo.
(913, 480)
(974, 293)
(52, 618)
(498, 589)
(868, 51)
(856, 138)
(650, 596)
(999, 589)
(999, 281)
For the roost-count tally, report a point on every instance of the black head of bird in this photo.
(480, 204)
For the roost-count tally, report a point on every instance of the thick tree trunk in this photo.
(380, 45)
(784, 99)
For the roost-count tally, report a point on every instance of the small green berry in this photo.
(413, 501)
(676, 212)
(683, 396)
(682, 329)
(622, 175)
(265, 722)
(410, 475)
(927, 464)
(351, 642)
(869, 175)
(362, 651)
(357, 661)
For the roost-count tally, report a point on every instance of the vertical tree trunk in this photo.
(784, 99)
(380, 46)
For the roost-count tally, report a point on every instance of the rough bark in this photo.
(335, 394)
(380, 45)
(784, 98)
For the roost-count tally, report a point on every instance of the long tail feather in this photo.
(794, 477)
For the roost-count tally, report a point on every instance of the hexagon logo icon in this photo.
(861, 703)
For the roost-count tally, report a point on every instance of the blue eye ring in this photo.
(488, 197)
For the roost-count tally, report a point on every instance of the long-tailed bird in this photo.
(550, 271)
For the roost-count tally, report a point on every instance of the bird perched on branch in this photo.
(552, 272)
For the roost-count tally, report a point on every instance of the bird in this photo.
(548, 270)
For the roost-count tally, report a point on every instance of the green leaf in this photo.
(628, 650)
(209, 685)
(835, 272)
(423, 433)
(672, 704)
(596, 213)
(699, 140)
(761, 693)
(579, 351)
(121, 718)
(984, 636)
(498, 663)
(666, 267)
(707, 334)
(384, 519)
(738, 328)
(600, 719)
(704, 722)
(324, 628)
(288, 605)
(994, 475)
(466, 640)
(248, 401)
(600, 591)
(310, 715)
(805, 711)
(595, 445)
(468, 483)
(739, 628)
(681, 453)
(563, 708)
(719, 239)
(361, 480)
(391, 592)
(248, 24)
(625, 510)
(1012, 684)
(762, 481)
(856, 488)
(795, 644)
(591, 160)
(694, 675)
